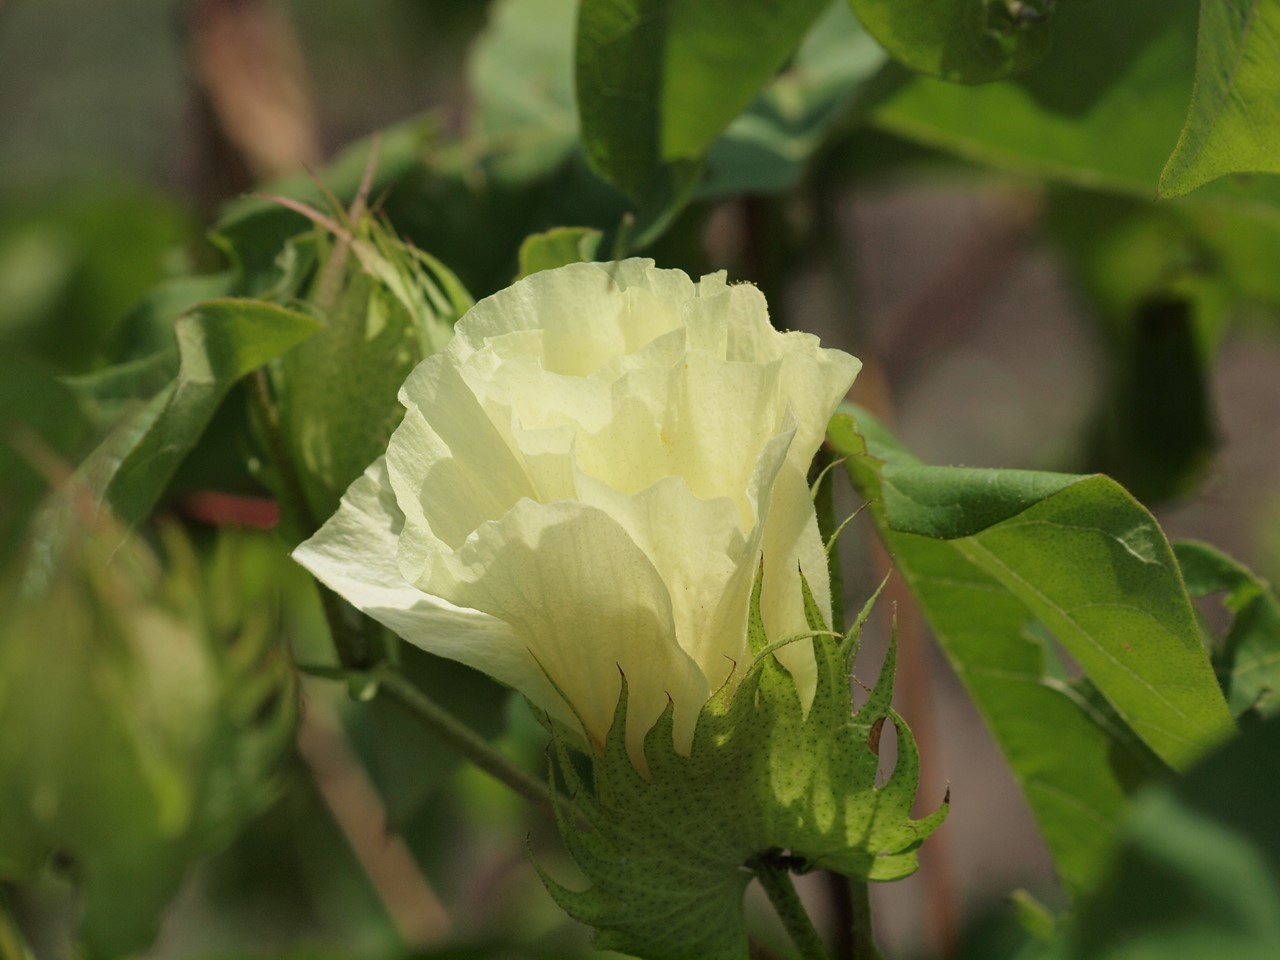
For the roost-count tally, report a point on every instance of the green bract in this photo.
(669, 857)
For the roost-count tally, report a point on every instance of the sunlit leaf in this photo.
(1234, 122)
(619, 70)
(995, 556)
(1101, 111)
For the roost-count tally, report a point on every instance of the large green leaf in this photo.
(619, 67)
(1233, 125)
(962, 41)
(1101, 111)
(1090, 562)
(218, 342)
(658, 81)
(1248, 661)
(1076, 555)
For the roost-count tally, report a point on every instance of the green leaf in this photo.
(766, 149)
(218, 342)
(718, 55)
(557, 247)
(619, 72)
(1101, 111)
(961, 41)
(1233, 125)
(658, 81)
(1091, 563)
(1037, 549)
(669, 852)
(1198, 871)
(1248, 660)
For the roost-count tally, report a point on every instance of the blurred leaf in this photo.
(73, 260)
(1080, 556)
(1248, 660)
(766, 148)
(620, 70)
(1198, 871)
(34, 406)
(520, 73)
(962, 41)
(135, 732)
(557, 247)
(147, 328)
(1234, 122)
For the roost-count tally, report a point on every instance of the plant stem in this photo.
(775, 878)
(463, 739)
(864, 941)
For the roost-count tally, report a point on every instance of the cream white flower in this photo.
(584, 483)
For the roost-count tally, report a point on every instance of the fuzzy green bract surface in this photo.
(670, 856)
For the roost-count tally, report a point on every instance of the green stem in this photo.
(463, 739)
(864, 941)
(776, 881)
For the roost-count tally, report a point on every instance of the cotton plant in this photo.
(598, 495)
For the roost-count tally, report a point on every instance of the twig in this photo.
(414, 909)
(463, 739)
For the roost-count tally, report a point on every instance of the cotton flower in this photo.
(583, 487)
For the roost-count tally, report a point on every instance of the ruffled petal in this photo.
(588, 605)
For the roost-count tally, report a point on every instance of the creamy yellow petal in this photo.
(354, 555)
(587, 603)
